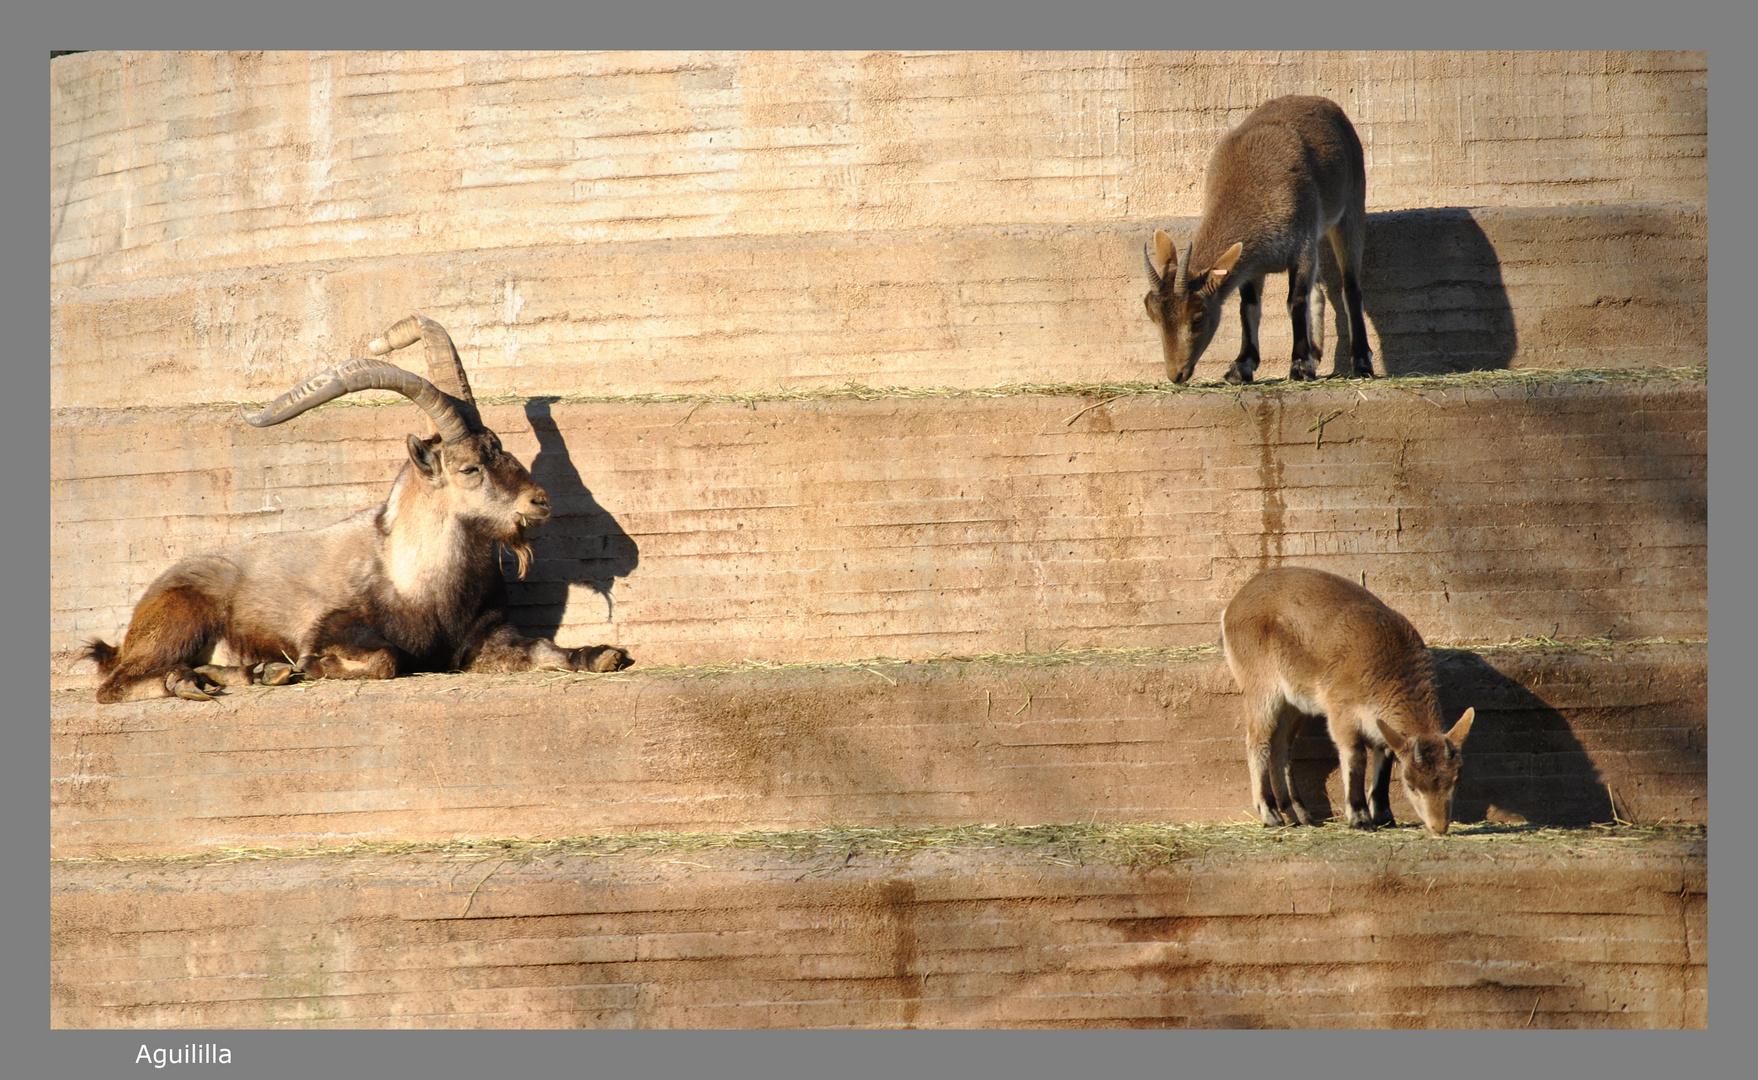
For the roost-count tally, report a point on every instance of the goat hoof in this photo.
(600, 658)
(189, 689)
(275, 674)
(1236, 375)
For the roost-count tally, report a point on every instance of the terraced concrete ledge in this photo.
(1564, 734)
(1215, 927)
(826, 526)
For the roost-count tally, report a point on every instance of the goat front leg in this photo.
(505, 650)
(350, 662)
(1379, 783)
(1352, 754)
(1251, 308)
(351, 652)
(1304, 365)
(268, 673)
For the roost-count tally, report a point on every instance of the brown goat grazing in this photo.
(1289, 175)
(413, 584)
(1302, 643)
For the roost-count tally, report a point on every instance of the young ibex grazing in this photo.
(413, 584)
(1290, 175)
(1306, 643)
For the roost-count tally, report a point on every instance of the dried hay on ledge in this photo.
(1139, 845)
(1527, 379)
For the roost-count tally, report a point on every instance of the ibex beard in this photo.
(413, 584)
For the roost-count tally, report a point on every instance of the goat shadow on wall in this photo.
(1431, 286)
(581, 544)
(1523, 761)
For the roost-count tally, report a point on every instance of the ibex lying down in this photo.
(413, 584)
(1288, 176)
(1306, 643)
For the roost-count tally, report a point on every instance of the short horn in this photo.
(365, 375)
(1153, 275)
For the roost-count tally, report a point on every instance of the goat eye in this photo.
(469, 470)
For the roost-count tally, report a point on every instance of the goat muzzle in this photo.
(535, 512)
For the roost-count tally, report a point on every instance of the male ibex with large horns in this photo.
(413, 584)
(1287, 177)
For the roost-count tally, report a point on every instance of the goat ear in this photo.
(425, 458)
(1397, 742)
(1165, 255)
(1224, 265)
(1462, 728)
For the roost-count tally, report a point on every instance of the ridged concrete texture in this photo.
(1459, 933)
(615, 238)
(838, 529)
(1561, 735)
(190, 162)
(731, 222)
(1444, 290)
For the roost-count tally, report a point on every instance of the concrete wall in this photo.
(909, 526)
(1559, 734)
(973, 938)
(1445, 290)
(223, 224)
(195, 162)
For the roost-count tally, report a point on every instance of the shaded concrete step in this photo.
(1207, 928)
(1568, 734)
(1485, 507)
(1444, 290)
(174, 163)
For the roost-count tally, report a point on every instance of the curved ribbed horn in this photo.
(355, 375)
(444, 368)
(1182, 265)
(1153, 275)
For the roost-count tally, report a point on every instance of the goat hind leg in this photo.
(172, 626)
(1282, 765)
(181, 681)
(1346, 243)
(1260, 735)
